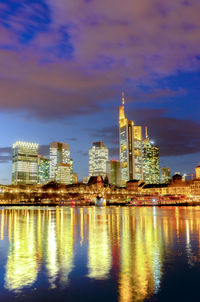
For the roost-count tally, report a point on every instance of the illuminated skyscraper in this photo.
(113, 172)
(98, 156)
(63, 175)
(150, 162)
(43, 169)
(59, 154)
(25, 163)
(197, 172)
(71, 170)
(130, 148)
(165, 175)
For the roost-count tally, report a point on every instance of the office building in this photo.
(150, 162)
(98, 156)
(130, 137)
(63, 174)
(75, 178)
(24, 163)
(197, 172)
(113, 172)
(71, 170)
(59, 154)
(43, 169)
(165, 175)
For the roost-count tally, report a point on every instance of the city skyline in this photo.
(116, 151)
(62, 76)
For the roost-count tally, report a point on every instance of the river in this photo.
(99, 254)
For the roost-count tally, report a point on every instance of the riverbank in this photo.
(185, 204)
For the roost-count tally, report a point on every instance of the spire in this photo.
(122, 98)
(146, 133)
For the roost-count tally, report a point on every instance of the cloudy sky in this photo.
(64, 64)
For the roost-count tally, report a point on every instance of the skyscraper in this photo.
(130, 137)
(59, 154)
(165, 175)
(150, 161)
(25, 163)
(98, 156)
(113, 172)
(43, 169)
(71, 170)
(63, 174)
(197, 172)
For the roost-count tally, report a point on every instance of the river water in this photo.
(100, 254)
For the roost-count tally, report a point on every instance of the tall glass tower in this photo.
(150, 161)
(25, 163)
(130, 137)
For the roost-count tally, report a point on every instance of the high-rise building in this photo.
(98, 156)
(130, 137)
(150, 162)
(71, 170)
(165, 175)
(59, 154)
(113, 172)
(63, 174)
(25, 163)
(43, 169)
(197, 172)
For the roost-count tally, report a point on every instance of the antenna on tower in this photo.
(122, 98)
(146, 132)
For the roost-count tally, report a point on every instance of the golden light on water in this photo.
(127, 244)
(99, 249)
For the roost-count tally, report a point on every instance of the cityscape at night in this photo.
(99, 150)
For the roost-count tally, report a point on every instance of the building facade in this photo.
(59, 154)
(113, 172)
(150, 162)
(165, 175)
(24, 163)
(63, 175)
(43, 169)
(98, 156)
(197, 172)
(130, 137)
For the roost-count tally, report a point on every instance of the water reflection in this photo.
(128, 245)
(99, 250)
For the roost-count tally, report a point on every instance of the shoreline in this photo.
(92, 204)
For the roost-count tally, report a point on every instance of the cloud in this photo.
(72, 139)
(82, 153)
(65, 58)
(5, 155)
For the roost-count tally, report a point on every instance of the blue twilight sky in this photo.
(64, 64)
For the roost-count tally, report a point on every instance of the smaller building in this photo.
(165, 175)
(113, 172)
(63, 174)
(43, 169)
(86, 179)
(75, 178)
(132, 185)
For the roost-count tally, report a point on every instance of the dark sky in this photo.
(64, 64)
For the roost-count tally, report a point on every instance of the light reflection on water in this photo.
(132, 247)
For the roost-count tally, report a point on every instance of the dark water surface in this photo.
(100, 254)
